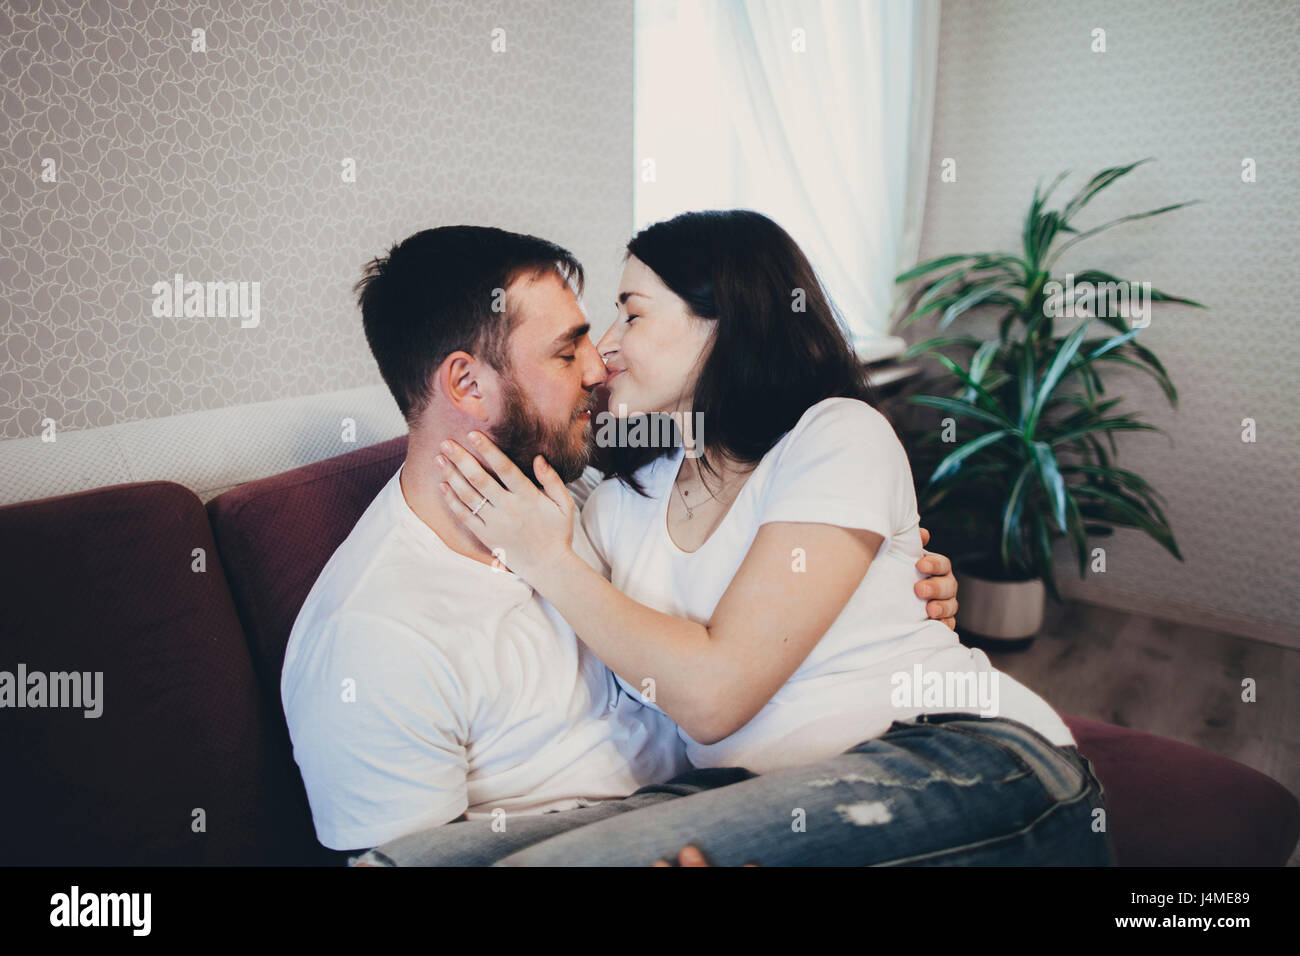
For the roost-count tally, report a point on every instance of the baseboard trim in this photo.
(1180, 612)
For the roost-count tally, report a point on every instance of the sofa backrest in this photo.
(124, 583)
(275, 535)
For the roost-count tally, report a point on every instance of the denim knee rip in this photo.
(371, 858)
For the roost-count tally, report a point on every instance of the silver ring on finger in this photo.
(479, 506)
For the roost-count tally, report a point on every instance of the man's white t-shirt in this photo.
(419, 684)
(843, 465)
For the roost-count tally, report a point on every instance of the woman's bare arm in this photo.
(711, 679)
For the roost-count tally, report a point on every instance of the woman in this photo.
(758, 589)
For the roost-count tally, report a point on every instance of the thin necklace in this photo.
(690, 512)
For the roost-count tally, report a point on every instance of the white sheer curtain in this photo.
(816, 113)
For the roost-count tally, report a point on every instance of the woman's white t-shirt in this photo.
(882, 660)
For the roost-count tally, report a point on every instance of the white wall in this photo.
(1200, 85)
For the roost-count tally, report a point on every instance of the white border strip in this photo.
(208, 452)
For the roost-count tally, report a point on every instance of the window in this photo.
(808, 112)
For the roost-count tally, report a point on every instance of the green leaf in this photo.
(1133, 482)
(1105, 425)
(1060, 178)
(1087, 404)
(1124, 510)
(1089, 412)
(1112, 343)
(1011, 513)
(938, 342)
(1095, 378)
(1027, 377)
(1088, 387)
(936, 288)
(1077, 535)
(987, 401)
(956, 406)
(1115, 222)
(931, 265)
(1011, 266)
(1095, 349)
(1097, 184)
(953, 461)
(1047, 571)
(971, 299)
(1037, 224)
(1166, 382)
(1049, 224)
(921, 311)
(1099, 450)
(1097, 277)
(1166, 386)
(1049, 475)
(994, 381)
(1053, 375)
(979, 363)
(966, 296)
(1158, 296)
(1120, 475)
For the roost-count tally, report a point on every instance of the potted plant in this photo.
(1026, 449)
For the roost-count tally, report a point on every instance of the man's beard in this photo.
(522, 436)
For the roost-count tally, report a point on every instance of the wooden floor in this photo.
(1169, 679)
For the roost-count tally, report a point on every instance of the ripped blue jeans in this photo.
(939, 790)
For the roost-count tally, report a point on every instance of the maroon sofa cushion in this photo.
(275, 536)
(1171, 804)
(101, 581)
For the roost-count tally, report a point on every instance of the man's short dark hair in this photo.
(442, 290)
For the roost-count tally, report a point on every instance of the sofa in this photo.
(186, 610)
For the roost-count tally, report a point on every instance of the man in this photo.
(423, 682)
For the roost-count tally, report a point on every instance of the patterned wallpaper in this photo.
(1201, 85)
(279, 149)
(289, 142)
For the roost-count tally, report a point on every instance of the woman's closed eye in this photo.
(630, 317)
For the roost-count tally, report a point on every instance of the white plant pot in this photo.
(999, 610)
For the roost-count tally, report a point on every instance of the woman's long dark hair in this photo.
(779, 347)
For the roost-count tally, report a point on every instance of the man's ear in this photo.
(467, 384)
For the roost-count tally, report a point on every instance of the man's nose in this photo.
(595, 368)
